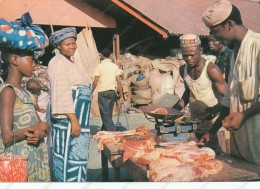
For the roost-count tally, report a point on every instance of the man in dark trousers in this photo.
(107, 73)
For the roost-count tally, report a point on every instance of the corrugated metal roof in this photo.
(57, 12)
(184, 16)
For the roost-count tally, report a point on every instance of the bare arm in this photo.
(94, 84)
(217, 79)
(234, 120)
(38, 109)
(7, 100)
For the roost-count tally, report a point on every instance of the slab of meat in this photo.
(145, 156)
(208, 167)
(170, 169)
(115, 137)
(160, 111)
(142, 130)
(180, 162)
(185, 152)
(131, 146)
(190, 155)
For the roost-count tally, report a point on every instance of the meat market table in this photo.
(234, 169)
(112, 154)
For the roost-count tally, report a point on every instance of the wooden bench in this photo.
(112, 154)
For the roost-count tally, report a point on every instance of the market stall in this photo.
(224, 167)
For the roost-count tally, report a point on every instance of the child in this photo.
(34, 87)
(18, 118)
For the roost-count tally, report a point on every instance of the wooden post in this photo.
(104, 164)
(116, 50)
(118, 61)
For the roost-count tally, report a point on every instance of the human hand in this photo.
(210, 112)
(121, 100)
(75, 128)
(205, 138)
(233, 121)
(43, 126)
(34, 136)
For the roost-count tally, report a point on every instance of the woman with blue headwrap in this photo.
(70, 105)
(21, 128)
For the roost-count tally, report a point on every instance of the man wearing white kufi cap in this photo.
(201, 77)
(224, 21)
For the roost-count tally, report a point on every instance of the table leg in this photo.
(104, 162)
(116, 174)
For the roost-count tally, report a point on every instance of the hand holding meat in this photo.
(233, 121)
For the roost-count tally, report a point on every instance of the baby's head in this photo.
(33, 86)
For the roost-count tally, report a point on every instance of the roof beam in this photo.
(142, 19)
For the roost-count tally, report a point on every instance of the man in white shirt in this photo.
(224, 21)
(107, 73)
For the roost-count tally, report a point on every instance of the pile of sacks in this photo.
(146, 80)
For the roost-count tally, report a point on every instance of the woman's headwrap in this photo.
(21, 35)
(57, 36)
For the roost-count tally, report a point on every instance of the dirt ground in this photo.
(94, 165)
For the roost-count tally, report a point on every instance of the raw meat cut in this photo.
(160, 111)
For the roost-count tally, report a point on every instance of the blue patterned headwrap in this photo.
(57, 36)
(21, 35)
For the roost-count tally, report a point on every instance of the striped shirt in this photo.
(64, 75)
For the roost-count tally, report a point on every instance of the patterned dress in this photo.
(70, 154)
(24, 115)
(70, 93)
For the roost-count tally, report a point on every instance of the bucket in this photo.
(14, 168)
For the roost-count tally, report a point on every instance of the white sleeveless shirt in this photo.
(201, 92)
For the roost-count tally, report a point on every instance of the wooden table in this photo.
(234, 170)
(112, 154)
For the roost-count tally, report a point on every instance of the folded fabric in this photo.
(20, 34)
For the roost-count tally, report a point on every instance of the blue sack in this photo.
(139, 78)
(20, 34)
